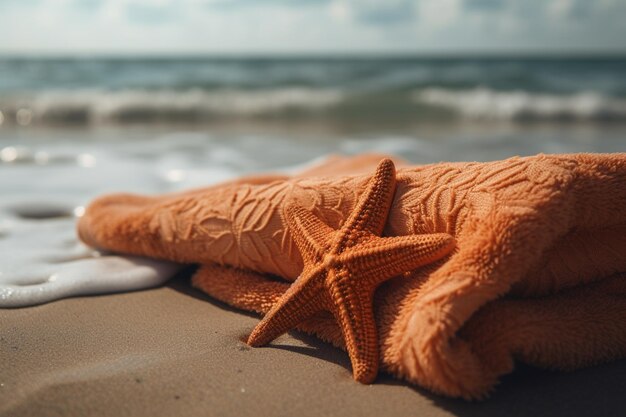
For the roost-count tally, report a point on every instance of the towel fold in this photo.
(538, 274)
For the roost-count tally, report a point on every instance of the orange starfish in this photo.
(342, 269)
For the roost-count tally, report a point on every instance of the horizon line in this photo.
(543, 54)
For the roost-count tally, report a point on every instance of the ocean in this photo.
(366, 93)
(73, 129)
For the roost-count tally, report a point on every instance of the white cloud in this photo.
(559, 8)
(340, 10)
(205, 26)
(439, 13)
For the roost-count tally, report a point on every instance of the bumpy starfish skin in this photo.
(548, 230)
(343, 268)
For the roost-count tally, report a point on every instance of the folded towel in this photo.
(537, 274)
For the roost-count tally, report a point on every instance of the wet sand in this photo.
(174, 351)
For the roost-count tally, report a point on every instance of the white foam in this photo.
(487, 104)
(41, 258)
(98, 106)
(43, 261)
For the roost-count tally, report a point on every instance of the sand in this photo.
(173, 351)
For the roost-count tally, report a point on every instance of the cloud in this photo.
(485, 4)
(544, 9)
(153, 14)
(236, 4)
(374, 12)
(301, 26)
(87, 5)
(384, 13)
(9, 4)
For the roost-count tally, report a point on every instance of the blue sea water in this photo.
(368, 91)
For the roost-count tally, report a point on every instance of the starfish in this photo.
(342, 269)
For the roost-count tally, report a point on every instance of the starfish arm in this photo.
(370, 214)
(353, 310)
(310, 234)
(303, 299)
(384, 258)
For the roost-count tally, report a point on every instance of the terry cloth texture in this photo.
(538, 273)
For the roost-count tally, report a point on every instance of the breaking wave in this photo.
(487, 104)
(137, 106)
(432, 104)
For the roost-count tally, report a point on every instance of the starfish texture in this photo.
(342, 269)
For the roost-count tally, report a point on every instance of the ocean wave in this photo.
(98, 106)
(487, 104)
(198, 106)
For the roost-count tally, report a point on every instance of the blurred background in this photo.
(158, 95)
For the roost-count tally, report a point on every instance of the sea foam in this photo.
(161, 106)
(197, 106)
(487, 104)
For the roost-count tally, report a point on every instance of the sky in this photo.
(91, 27)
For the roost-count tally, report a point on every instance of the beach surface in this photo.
(174, 351)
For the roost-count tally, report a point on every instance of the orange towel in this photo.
(538, 272)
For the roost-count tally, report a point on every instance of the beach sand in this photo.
(173, 351)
